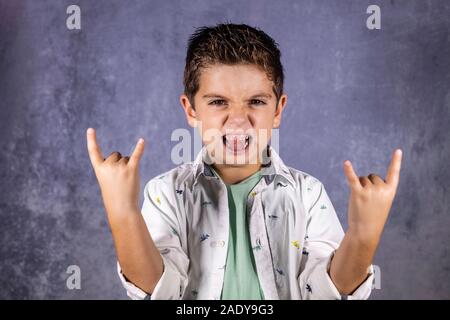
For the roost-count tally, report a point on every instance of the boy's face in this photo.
(235, 111)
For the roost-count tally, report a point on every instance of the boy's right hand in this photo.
(117, 176)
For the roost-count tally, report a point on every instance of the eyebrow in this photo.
(215, 95)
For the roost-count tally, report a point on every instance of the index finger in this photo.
(352, 177)
(95, 154)
(393, 172)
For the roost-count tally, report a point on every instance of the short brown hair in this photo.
(231, 44)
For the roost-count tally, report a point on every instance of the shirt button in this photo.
(219, 243)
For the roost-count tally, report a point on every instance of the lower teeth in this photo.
(231, 145)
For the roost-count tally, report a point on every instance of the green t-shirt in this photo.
(240, 279)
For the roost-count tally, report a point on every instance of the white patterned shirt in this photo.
(293, 226)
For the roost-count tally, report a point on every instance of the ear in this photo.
(191, 115)
(279, 110)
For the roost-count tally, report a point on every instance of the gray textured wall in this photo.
(353, 93)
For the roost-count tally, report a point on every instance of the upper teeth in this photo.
(240, 137)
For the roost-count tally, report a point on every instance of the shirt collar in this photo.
(272, 168)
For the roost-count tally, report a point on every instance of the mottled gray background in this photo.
(353, 93)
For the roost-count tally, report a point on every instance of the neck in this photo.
(235, 174)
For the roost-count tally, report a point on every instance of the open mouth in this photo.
(236, 143)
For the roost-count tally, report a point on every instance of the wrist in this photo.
(363, 236)
(119, 216)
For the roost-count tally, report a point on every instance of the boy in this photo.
(237, 223)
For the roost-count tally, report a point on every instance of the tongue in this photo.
(236, 144)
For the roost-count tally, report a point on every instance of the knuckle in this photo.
(363, 194)
(107, 166)
(100, 170)
(388, 190)
(121, 168)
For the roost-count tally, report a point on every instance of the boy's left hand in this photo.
(370, 200)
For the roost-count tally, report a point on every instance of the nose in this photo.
(238, 117)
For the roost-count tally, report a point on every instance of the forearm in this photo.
(370, 201)
(350, 262)
(138, 255)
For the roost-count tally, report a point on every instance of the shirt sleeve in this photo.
(167, 227)
(323, 236)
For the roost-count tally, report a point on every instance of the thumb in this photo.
(137, 153)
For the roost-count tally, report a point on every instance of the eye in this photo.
(217, 102)
(257, 102)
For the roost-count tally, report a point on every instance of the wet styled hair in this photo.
(231, 44)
